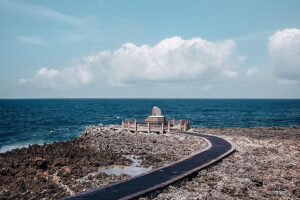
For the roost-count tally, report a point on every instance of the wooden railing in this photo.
(166, 126)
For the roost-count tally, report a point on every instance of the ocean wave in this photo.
(9, 147)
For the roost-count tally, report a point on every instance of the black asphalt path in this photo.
(156, 179)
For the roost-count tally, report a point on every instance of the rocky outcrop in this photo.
(51, 171)
(265, 166)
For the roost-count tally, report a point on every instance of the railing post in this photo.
(168, 126)
(148, 127)
(185, 126)
(174, 122)
(162, 128)
(123, 125)
(180, 124)
(128, 125)
(135, 125)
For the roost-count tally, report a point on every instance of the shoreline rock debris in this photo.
(52, 171)
(264, 166)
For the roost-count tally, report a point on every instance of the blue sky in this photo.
(152, 49)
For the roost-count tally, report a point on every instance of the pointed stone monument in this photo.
(156, 116)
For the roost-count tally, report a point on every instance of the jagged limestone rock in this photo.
(156, 111)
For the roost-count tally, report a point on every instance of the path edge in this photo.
(186, 174)
(175, 179)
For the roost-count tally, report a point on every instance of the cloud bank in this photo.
(171, 60)
(175, 60)
(284, 50)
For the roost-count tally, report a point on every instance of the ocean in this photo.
(39, 121)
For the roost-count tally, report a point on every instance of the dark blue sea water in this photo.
(38, 121)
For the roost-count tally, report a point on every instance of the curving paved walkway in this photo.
(145, 183)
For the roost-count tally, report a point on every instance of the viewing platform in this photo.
(155, 123)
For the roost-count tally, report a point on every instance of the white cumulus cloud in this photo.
(284, 50)
(171, 60)
(52, 78)
(46, 73)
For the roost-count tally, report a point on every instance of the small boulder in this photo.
(40, 163)
(156, 111)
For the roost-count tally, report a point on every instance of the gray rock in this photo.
(156, 111)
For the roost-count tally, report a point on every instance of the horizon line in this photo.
(187, 98)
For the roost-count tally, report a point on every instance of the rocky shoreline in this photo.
(54, 171)
(266, 165)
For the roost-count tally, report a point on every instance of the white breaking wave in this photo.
(9, 147)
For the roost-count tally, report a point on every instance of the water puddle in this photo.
(133, 170)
